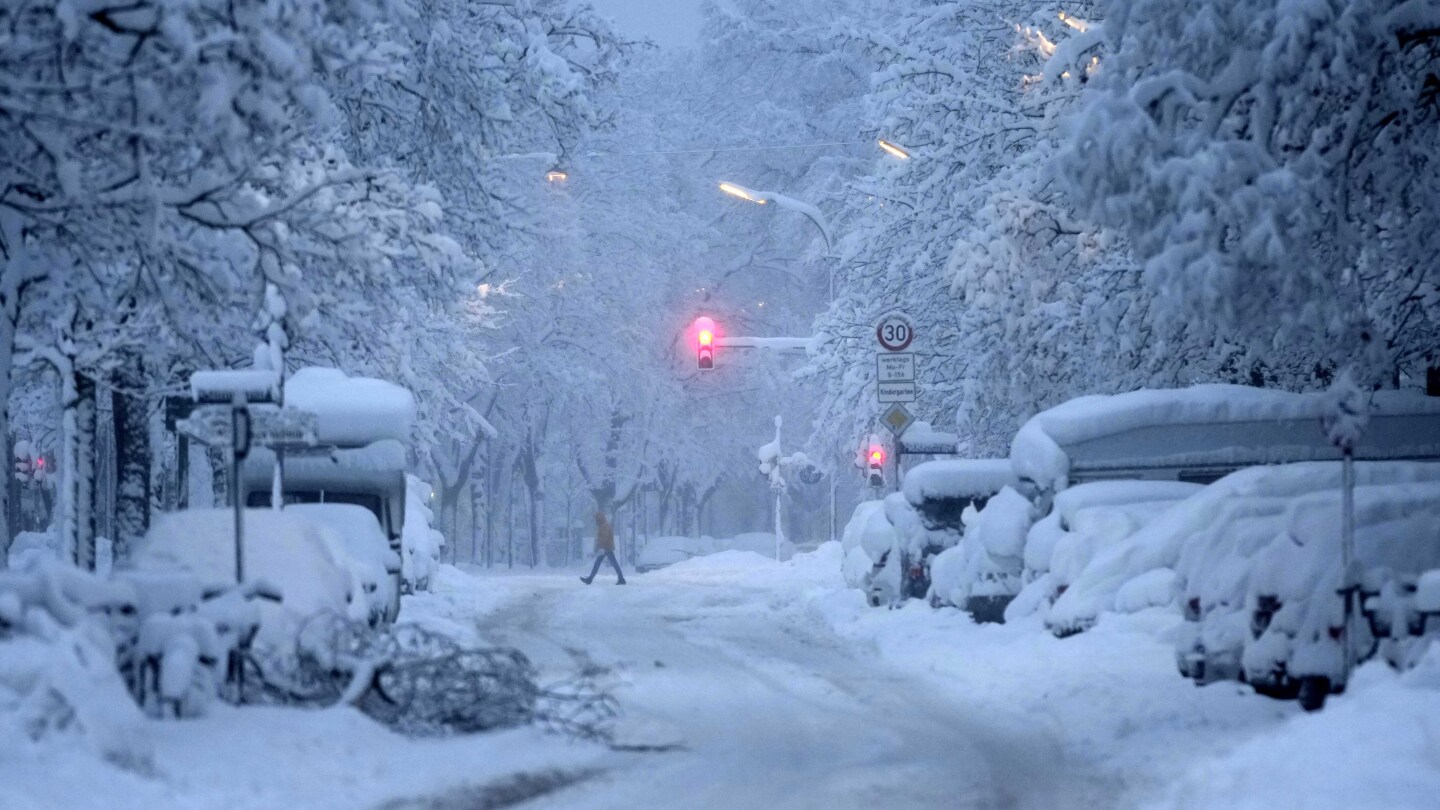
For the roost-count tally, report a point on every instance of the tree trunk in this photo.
(83, 490)
(132, 459)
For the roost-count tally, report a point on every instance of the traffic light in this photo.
(705, 343)
(875, 461)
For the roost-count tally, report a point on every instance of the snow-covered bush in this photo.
(58, 673)
(420, 554)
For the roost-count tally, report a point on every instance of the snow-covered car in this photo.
(421, 545)
(906, 534)
(283, 549)
(355, 537)
(1083, 521)
(1295, 600)
(660, 552)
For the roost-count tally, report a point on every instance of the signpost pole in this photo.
(239, 447)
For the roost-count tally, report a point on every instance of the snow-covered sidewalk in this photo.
(751, 683)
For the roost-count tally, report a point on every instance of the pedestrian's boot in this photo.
(586, 580)
(620, 581)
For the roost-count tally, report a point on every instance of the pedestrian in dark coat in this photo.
(604, 550)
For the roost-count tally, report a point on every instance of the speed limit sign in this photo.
(895, 331)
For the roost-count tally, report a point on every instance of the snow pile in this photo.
(352, 411)
(1375, 747)
(1207, 538)
(421, 547)
(58, 673)
(1210, 424)
(281, 548)
(988, 560)
(27, 549)
(762, 543)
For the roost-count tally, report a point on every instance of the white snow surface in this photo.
(772, 685)
(958, 478)
(352, 411)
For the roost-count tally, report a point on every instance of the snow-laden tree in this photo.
(1274, 165)
(172, 157)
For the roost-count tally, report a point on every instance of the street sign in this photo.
(897, 417)
(895, 331)
(896, 392)
(285, 428)
(895, 367)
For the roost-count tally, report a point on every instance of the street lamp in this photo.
(790, 203)
(894, 150)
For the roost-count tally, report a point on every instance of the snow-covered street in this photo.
(756, 684)
(744, 683)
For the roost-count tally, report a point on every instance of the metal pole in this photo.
(833, 485)
(1347, 558)
(237, 416)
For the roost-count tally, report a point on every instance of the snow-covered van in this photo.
(362, 429)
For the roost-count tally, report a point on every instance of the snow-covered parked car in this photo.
(355, 538)
(421, 545)
(904, 536)
(281, 548)
(981, 572)
(1084, 521)
(1293, 609)
(663, 551)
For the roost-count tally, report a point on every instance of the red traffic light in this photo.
(705, 343)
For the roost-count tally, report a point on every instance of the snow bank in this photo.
(1372, 747)
(1230, 425)
(352, 411)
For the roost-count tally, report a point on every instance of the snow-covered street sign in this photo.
(896, 392)
(895, 331)
(895, 367)
(897, 417)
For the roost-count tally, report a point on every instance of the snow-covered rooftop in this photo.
(353, 411)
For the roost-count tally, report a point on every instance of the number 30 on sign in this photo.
(895, 331)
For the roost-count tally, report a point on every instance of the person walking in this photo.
(604, 549)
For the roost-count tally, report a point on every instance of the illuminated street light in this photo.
(556, 175)
(743, 193)
(789, 203)
(894, 150)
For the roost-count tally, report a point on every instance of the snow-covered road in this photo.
(777, 688)
(770, 708)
